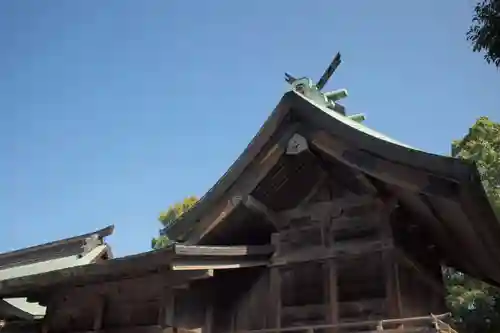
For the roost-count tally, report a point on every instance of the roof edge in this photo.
(272, 123)
(104, 232)
(379, 144)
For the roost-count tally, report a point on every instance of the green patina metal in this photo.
(306, 87)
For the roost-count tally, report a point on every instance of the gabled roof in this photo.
(444, 192)
(70, 252)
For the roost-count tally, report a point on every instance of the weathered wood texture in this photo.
(336, 261)
(341, 252)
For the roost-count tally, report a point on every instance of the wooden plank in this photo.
(150, 284)
(179, 265)
(90, 276)
(128, 329)
(371, 220)
(303, 311)
(198, 250)
(222, 211)
(367, 220)
(385, 170)
(358, 326)
(333, 208)
(258, 207)
(336, 251)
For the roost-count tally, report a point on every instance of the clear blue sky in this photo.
(112, 110)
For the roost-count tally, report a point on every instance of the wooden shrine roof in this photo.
(178, 263)
(47, 251)
(446, 193)
(64, 253)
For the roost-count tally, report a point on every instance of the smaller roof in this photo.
(70, 252)
(43, 252)
(180, 262)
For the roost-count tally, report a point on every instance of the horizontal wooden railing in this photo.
(373, 326)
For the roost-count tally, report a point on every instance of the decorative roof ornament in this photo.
(90, 243)
(312, 91)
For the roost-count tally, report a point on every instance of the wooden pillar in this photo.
(389, 260)
(332, 314)
(51, 309)
(274, 313)
(331, 278)
(99, 313)
(209, 317)
(166, 313)
(393, 292)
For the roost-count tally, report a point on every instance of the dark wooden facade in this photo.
(319, 221)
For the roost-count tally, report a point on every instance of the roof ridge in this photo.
(14, 256)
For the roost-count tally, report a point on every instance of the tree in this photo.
(475, 304)
(170, 216)
(484, 33)
(482, 145)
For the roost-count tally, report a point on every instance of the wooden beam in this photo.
(369, 220)
(129, 329)
(363, 179)
(321, 180)
(180, 265)
(259, 208)
(401, 175)
(244, 185)
(333, 208)
(199, 250)
(208, 223)
(335, 251)
(421, 273)
(88, 275)
(375, 305)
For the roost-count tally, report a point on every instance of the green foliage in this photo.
(482, 145)
(484, 33)
(169, 216)
(160, 242)
(475, 304)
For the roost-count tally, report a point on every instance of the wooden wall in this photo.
(339, 257)
(337, 260)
